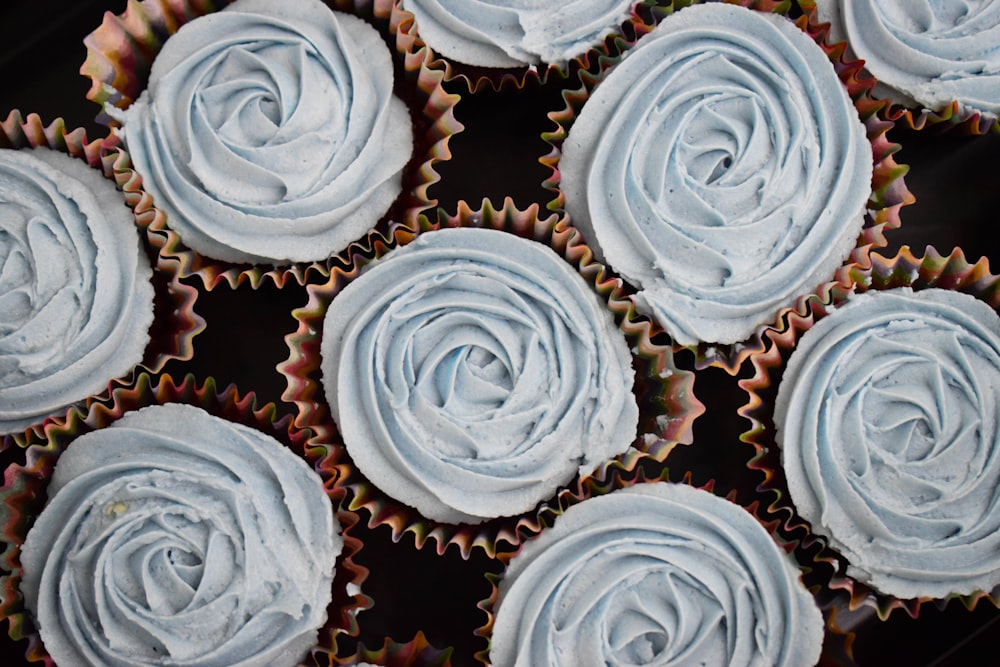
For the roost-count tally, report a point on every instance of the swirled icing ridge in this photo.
(887, 420)
(512, 33)
(654, 574)
(271, 134)
(173, 537)
(928, 53)
(722, 167)
(76, 300)
(472, 372)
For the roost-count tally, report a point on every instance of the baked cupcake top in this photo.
(76, 301)
(515, 33)
(887, 420)
(654, 574)
(269, 133)
(722, 167)
(175, 537)
(925, 53)
(473, 372)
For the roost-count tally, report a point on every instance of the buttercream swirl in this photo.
(929, 53)
(887, 420)
(472, 372)
(173, 537)
(269, 132)
(76, 300)
(513, 33)
(656, 574)
(722, 167)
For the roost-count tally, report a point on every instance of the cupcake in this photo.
(942, 57)
(472, 372)
(145, 546)
(76, 297)
(885, 416)
(721, 167)
(654, 574)
(475, 377)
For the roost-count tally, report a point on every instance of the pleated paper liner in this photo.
(851, 601)
(175, 322)
(889, 193)
(120, 54)
(667, 404)
(623, 477)
(417, 652)
(23, 493)
(474, 79)
(951, 118)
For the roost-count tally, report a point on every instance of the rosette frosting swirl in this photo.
(887, 420)
(269, 133)
(656, 574)
(927, 52)
(513, 33)
(722, 167)
(76, 300)
(472, 372)
(174, 537)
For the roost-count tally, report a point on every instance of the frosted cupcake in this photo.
(931, 55)
(654, 574)
(885, 415)
(720, 166)
(282, 142)
(145, 546)
(76, 297)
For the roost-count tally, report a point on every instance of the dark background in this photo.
(954, 179)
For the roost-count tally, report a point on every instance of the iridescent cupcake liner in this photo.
(889, 192)
(667, 405)
(175, 322)
(23, 493)
(951, 118)
(851, 599)
(417, 652)
(120, 54)
(475, 79)
(624, 478)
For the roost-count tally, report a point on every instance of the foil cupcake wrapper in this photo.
(23, 493)
(418, 652)
(889, 192)
(665, 394)
(624, 478)
(951, 118)
(120, 54)
(475, 79)
(175, 321)
(851, 601)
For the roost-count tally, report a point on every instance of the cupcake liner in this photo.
(853, 600)
(120, 54)
(23, 493)
(624, 478)
(667, 405)
(950, 118)
(175, 322)
(889, 192)
(417, 652)
(475, 79)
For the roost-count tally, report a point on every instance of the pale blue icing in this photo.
(512, 33)
(887, 419)
(656, 574)
(926, 52)
(472, 372)
(76, 300)
(721, 167)
(269, 132)
(173, 537)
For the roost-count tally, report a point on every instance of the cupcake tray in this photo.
(418, 590)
